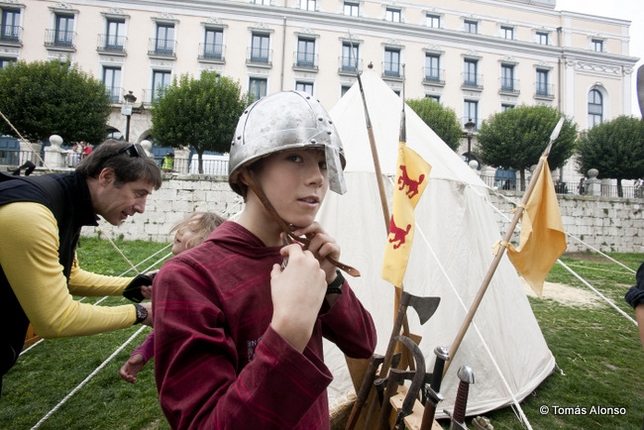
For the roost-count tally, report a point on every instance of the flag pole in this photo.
(372, 143)
(497, 258)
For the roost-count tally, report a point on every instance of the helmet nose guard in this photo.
(282, 121)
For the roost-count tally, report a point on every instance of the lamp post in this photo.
(469, 127)
(126, 110)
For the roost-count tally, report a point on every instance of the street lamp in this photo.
(126, 110)
(469, 127)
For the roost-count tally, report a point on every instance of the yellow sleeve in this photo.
(29, 258)
(84, 283)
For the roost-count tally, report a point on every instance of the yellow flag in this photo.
(542, 238)
(411, 180)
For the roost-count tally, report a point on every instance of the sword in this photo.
(433, 391)
(466, 376)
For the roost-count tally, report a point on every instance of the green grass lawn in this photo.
(599, 360)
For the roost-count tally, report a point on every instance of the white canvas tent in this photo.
(452, 251)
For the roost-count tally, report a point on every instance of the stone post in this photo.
(55, 156)
(593, 185)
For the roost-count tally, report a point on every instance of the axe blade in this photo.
(425, 306)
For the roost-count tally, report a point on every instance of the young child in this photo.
(189, 233)
(240, 319)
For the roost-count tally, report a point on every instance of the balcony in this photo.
(114, 93)
(391, 70)
(111, 44)
(305, 61)
(60, 40)
(544, 91)
(472, 81)
(259, 57)
(434, 77)
(212, 52)
(11, 35)
(162, 48)
(348, 66)
(509, 86)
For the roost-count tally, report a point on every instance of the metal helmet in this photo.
(282, 121)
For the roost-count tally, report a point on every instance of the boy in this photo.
(239, 320)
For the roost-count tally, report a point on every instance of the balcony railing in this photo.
(111, 43)
(162, 47)
(11, 34)
(305, 60)
(348, 65)
(211, 51)
(507, 85)
(391, 69)
(60, 39)
(544, 90)
(259, 56)
(434, 76)
(472, 80)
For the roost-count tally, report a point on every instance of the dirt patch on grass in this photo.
(564, 294)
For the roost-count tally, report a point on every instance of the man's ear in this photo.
(106, 177)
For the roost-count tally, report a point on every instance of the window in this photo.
(115, 35)
(112, 82)
(471, 111)
(262, 2)
(469, 73)
(160, 80)
(505, 106)
(259, 48)
(164, 43)
(350, 56)
(10, 24)
(213, 43)
(433, 21)
(507, 77)
(257, 87)
(435, 98)
(306, 87)
(471, 26)
(64, 31)
(344, 89)
(392, 62)
(542, 82)
(4, 61)
(595, 108)
(507, 32)
(598, 45)
(307, 4)
(432, 67)
(305, 52)
(351, 9)
(542, 38)
(392, 15)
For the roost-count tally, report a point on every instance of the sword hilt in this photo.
(466, 376)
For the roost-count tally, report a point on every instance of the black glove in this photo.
(635, 295)
(133, 290)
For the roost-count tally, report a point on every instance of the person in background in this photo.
(86, 149)
(168, 162)
(40, 223)
(240, 319)
(188, 233)
(635, 297)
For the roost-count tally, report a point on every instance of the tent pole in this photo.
(497, 258)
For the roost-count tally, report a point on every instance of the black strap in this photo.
(49, 186)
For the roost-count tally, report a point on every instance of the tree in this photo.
(45, 98)
(516, 138)
(615, 148)
(439, 118)
(201, 113)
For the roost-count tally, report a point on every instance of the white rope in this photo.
(89, 377)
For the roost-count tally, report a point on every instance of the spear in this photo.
(499, 254)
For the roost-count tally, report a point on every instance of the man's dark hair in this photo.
(128, 160)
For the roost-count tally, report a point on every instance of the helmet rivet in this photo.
(313, 141)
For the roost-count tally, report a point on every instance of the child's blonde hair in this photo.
(202, 224)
